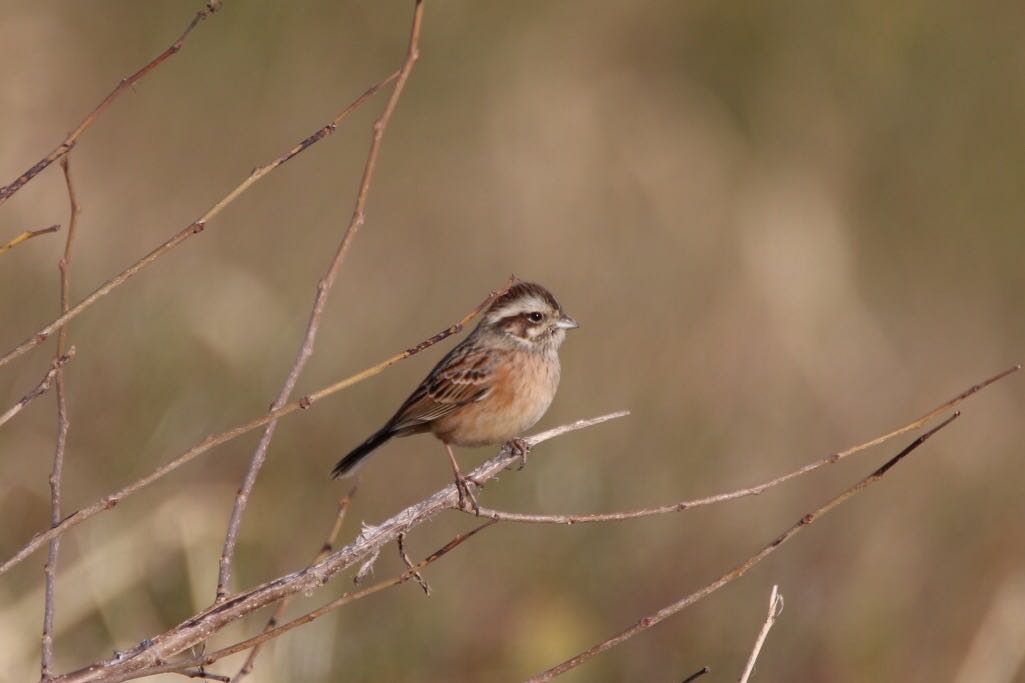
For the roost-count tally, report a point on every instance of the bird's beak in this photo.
(566, 323)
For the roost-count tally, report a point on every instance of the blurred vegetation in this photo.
(784, 227)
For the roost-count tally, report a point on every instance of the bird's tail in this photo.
(349, 462)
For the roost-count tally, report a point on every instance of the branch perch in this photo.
(279, 611)
(345, 599)
(159, 649)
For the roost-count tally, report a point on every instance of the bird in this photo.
(489, 389)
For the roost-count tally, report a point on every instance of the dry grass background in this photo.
(784, 229)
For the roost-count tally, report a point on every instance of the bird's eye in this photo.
(536, 317)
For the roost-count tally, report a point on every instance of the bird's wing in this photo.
(463, 376)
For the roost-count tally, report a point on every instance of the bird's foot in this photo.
(520, 448)
(467, 501)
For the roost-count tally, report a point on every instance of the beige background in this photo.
(784, 227)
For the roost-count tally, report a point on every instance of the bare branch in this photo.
(110, 500)
(279, 611)
(752, 490)
(738, 571)
(27, 235)
(346, 599)
(319, 302)
(69, 142)
(193, 228)
(153, 651)
(63, 424)
(775, 609)
(39, 389)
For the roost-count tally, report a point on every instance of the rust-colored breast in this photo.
(524, 385)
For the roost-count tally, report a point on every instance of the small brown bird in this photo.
(490, 388)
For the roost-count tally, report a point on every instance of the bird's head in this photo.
(529, 315)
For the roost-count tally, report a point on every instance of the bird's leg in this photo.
(519, 447)
(465, 494)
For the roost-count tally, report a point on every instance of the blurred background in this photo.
(784, 227)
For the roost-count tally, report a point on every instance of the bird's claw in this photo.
(467, 501)
(519, 448)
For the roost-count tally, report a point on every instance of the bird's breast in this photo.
(523, 387)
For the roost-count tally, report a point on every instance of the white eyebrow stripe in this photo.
(522, 305)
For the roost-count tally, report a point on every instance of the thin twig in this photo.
(345, 599)
(39, 389)
(738, 571)
(697, 674)
(27, 235)
(279, 611)
(193, 228)
(409, 564)
(775, 609)
(199, 628)
(750, 491)
(69, 142)
(210, 442)
(63, 424)
(199, 673)
(319, 302)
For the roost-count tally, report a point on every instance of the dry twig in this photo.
(63, 424)
(323, 290)
(750, 491)
(409, 564)
(345, 599)
(27, 235)
(193, 228)
(733, 574)
(775, 609)
(39, 389)
(69, 142)
(112, 499)
(697, 674)
(153, 652)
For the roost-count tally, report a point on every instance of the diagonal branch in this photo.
(214, 440)
(39, 389)
(198, 629)
(323, 290)
(741, 569)
(752, 490)
(279, 611)
(69, 142)
(411, 572)
(193, 228)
